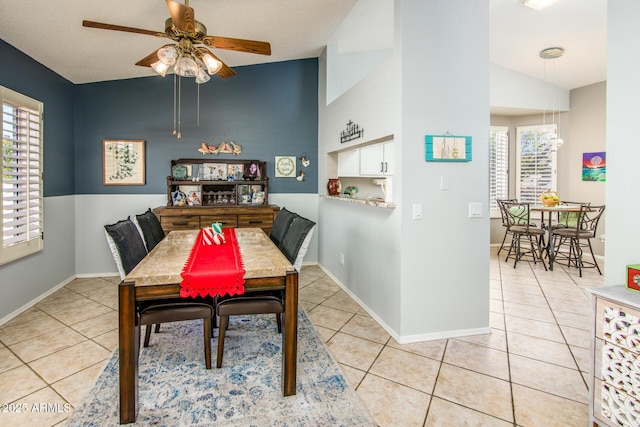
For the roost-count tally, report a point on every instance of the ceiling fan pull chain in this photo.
(179, 104)
(174, 104)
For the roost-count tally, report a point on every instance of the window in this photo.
(536, 162)
(22, 232)
(498, 167)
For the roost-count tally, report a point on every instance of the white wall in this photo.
(414, 275)
(367, 236)
(445, 87)
(623, 149)
(92, 212)
(510, 89)
(27, 280)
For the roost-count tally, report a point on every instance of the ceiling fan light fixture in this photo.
(168, 55)
(202, 76)
(213, 65)
(185, 66)
(160, 68)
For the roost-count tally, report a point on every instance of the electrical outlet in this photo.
(342, 259)
(475, 210)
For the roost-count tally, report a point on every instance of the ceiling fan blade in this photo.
(93, 24)
(149, 59)
(240, 45)
(182, 16)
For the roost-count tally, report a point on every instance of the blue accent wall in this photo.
(268, 109)
(22, 74)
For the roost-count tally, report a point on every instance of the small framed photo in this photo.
(252, 171)
(214, 172)
(235, 172)
(244, 194)
(258, 198)
(123, 162)
(448, 148)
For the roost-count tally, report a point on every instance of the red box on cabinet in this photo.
(633, 277)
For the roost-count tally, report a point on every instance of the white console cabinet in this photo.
(615, 357)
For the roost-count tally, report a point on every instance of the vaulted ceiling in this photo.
(51, 32)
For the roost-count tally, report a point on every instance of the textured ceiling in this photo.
(51, 32)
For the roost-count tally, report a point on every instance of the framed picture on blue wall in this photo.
(123, 162)
(448, 148)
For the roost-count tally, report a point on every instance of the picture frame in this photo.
(285, 166)
(123, 162)
(447, 148)
(214, 172)
(594, 166)
(252, 171)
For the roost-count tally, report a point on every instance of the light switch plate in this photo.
(417, 211)
(444, 183)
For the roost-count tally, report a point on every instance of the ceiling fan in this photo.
(188, 57)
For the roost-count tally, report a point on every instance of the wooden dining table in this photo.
(157, 276)
(550, 210)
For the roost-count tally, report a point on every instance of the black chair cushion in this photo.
(127, 242)
(161, 312)
(249, 305)
(151, 229)
(294, 237)
(281, 225)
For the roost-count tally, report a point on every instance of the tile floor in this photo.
(530, 371)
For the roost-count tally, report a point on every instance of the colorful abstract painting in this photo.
(594, 167)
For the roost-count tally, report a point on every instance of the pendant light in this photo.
(553, 54)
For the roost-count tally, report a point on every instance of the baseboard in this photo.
(93, 275)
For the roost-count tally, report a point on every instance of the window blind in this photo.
(498, 167)
(536, 164)
(22, 218)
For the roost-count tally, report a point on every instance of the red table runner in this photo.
(213, 269)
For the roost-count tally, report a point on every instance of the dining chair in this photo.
(294, 246)
(520, 225)
(150, 228)
(505, 221)
(568, 219)
(575, 239)
(280, 225)
(128, 250)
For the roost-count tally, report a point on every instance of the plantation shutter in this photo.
(536, 165)
(498, 167)
(22, 218)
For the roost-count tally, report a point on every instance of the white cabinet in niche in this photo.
(349, 163)
(376, 159)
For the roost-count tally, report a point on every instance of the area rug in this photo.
(175, 389)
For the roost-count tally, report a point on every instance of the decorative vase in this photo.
(334, 186)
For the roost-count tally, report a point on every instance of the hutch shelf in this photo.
(202, 191)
